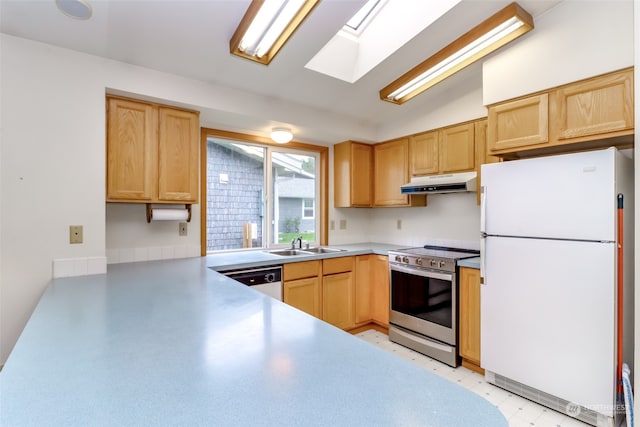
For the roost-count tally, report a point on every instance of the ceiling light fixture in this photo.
(266, 27)
(77, 9)
(281, 135)
(495, 32)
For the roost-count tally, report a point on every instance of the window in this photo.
(308, 208)
(254, 191)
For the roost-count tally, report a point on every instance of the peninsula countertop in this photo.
(175, 343)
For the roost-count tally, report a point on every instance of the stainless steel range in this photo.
(424, 300)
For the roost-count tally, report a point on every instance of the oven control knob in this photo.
(418, 261)
(433, 262)
(441, 263)
(398, 258)
(405, 259)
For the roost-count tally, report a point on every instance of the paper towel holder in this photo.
(150, 212)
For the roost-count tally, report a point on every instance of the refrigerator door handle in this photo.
(483, 210)
(483, 242)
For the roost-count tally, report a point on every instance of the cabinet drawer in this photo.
(337, 265)
(300, 270)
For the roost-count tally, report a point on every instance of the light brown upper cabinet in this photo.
(447, 150)
(423, 153)
(391, 170)
(152, 153)
(352, 174)
(457, 149)
(595, 107)
(519, 123)
(592, 113)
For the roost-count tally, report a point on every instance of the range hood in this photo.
(434, 184)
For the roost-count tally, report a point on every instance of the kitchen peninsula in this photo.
(176, 343)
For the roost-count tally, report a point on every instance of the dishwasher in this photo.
(267, 280)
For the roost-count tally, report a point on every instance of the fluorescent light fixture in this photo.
(266, 27)
(495, 32)
(281, 135)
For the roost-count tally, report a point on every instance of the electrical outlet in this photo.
(343, 224)
(399, 224)
(75, 234)
(182, 229)
(332, 225)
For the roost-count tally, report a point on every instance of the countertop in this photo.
(225, 261)
(175, 343)
(470, 262)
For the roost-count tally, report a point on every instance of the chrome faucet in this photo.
(297, 239)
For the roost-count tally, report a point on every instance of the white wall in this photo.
(52, 170)
(573, 41)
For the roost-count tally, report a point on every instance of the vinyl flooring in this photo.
(518, 411)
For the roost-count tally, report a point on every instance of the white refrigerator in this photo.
(549, 277)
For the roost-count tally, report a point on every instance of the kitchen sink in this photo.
(323, 250)
(289, 252)
(306, 251)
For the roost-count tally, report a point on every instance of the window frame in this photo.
(322, 171)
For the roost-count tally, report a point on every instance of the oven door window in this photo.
(427, 298)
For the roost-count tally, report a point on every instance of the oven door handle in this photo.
(421, 272)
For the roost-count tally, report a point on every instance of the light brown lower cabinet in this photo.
(380, 289)
(470, 318)
(363, 289)
(338, 300)
(347, 292)
(302, 286)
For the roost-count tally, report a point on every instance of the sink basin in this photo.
(323, 250)
(288, 252)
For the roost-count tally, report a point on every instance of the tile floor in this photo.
(519, 411)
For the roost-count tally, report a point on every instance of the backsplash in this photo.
(447, 220)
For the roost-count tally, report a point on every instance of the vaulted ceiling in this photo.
(190, 38)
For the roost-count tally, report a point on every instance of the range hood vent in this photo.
(438, 184)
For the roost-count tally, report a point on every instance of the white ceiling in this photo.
(191, 38)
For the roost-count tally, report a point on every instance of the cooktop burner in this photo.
(441, 251)
(433, 257)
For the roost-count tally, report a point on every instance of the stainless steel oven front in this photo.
(423, 310)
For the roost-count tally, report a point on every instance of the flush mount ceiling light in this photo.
(281, 135)
(266, 27)
(77, 9)
(500, 29)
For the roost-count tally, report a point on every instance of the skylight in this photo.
(383, 26)
(364, 14)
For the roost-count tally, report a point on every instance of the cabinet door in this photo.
(423, 152)
(519, 123)
(338, 300)
(363, 288)
(470, 314)
(380, 284)
(304, 294)
(131, 150)
(178, 156)
(594, 107)
(361, 175)
(352, 174)
(390, 172)
(457, 149)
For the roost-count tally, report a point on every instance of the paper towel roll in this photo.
(169, 214)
